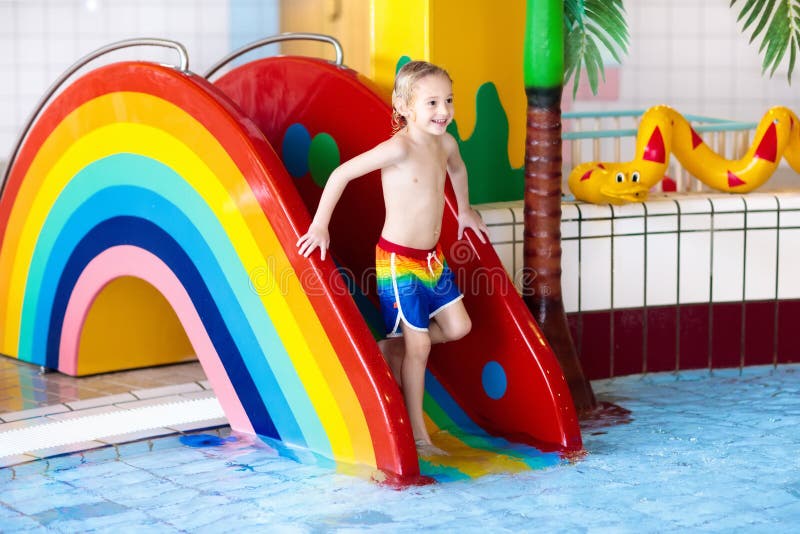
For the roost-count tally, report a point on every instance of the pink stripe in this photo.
(126, 260)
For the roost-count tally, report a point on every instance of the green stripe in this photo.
(444, 422)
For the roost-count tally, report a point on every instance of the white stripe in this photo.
(92, 427)
(394, 332)
(400, 314)
(412, 327)
(440, 308)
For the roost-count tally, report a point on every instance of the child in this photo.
(415, 284)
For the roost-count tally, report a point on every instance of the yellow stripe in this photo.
(178, 140)
(469, 460)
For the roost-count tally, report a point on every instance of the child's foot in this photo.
(426, 449)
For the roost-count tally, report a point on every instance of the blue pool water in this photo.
(703, 452)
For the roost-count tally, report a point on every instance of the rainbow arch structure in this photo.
(148, 219)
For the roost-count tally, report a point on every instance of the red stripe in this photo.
(416, 253)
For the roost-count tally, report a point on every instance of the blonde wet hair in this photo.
(403, 91)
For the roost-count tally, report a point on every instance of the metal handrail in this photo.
(602, 114)
(633, 132)
(127, 43)
(635, 113)
(277, 39)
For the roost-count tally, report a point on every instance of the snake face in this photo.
(663, 130)
(601, 183)
(624, 187)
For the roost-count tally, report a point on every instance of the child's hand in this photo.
(470, 219)
(315, 237)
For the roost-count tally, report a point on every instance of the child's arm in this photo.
(385, 154)
(467, 217)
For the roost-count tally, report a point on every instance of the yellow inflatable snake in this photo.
(663, 130)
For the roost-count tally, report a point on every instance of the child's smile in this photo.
(432, 107)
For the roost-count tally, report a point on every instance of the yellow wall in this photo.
(475, 40)
(399, 28)
(131, 325)
(346, 20)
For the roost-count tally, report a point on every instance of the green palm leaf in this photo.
(778, 24)
(590, 26)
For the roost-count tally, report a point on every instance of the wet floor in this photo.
(24, 386)
(703, 452)
(50, 414)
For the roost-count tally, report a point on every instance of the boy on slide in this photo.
(420, 302)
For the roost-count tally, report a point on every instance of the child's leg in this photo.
(418, 347)
(450, 324)
(393, 350)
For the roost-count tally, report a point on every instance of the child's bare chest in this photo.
(427, 172)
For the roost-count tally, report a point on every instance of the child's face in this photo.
(431, 108)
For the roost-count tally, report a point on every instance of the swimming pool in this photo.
(704, 451)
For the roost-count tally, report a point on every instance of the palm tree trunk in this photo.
(542, 246)
(544, 71)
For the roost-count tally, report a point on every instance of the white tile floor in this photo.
(72, 425)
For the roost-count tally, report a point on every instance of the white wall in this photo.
(692, 55)
(39, 39)
(689, 54)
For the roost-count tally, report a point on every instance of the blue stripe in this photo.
(146, 235)
(195, 227)
(102, 207)
(440, 472)
(446, 402)
(474, 436)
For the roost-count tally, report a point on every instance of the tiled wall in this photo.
(676, 282)
(663, 267)
(692, 55)
(682, 250)
(684, 53)
(39, 39)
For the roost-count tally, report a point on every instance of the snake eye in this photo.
(619, 177)
(635, 177)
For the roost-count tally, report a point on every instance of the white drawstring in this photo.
(432, 255)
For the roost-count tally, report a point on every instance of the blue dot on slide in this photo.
(494, 380)
(294, 152)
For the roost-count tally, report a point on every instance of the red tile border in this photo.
(759, 333)
(628, 357)
(726, 335)
(694, 332)
(788, 331)
(594, 348)
(661, 339)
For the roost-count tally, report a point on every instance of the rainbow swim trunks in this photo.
(413, 285)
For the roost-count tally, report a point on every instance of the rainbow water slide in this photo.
(149, 218)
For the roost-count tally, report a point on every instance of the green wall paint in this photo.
(485, 153)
